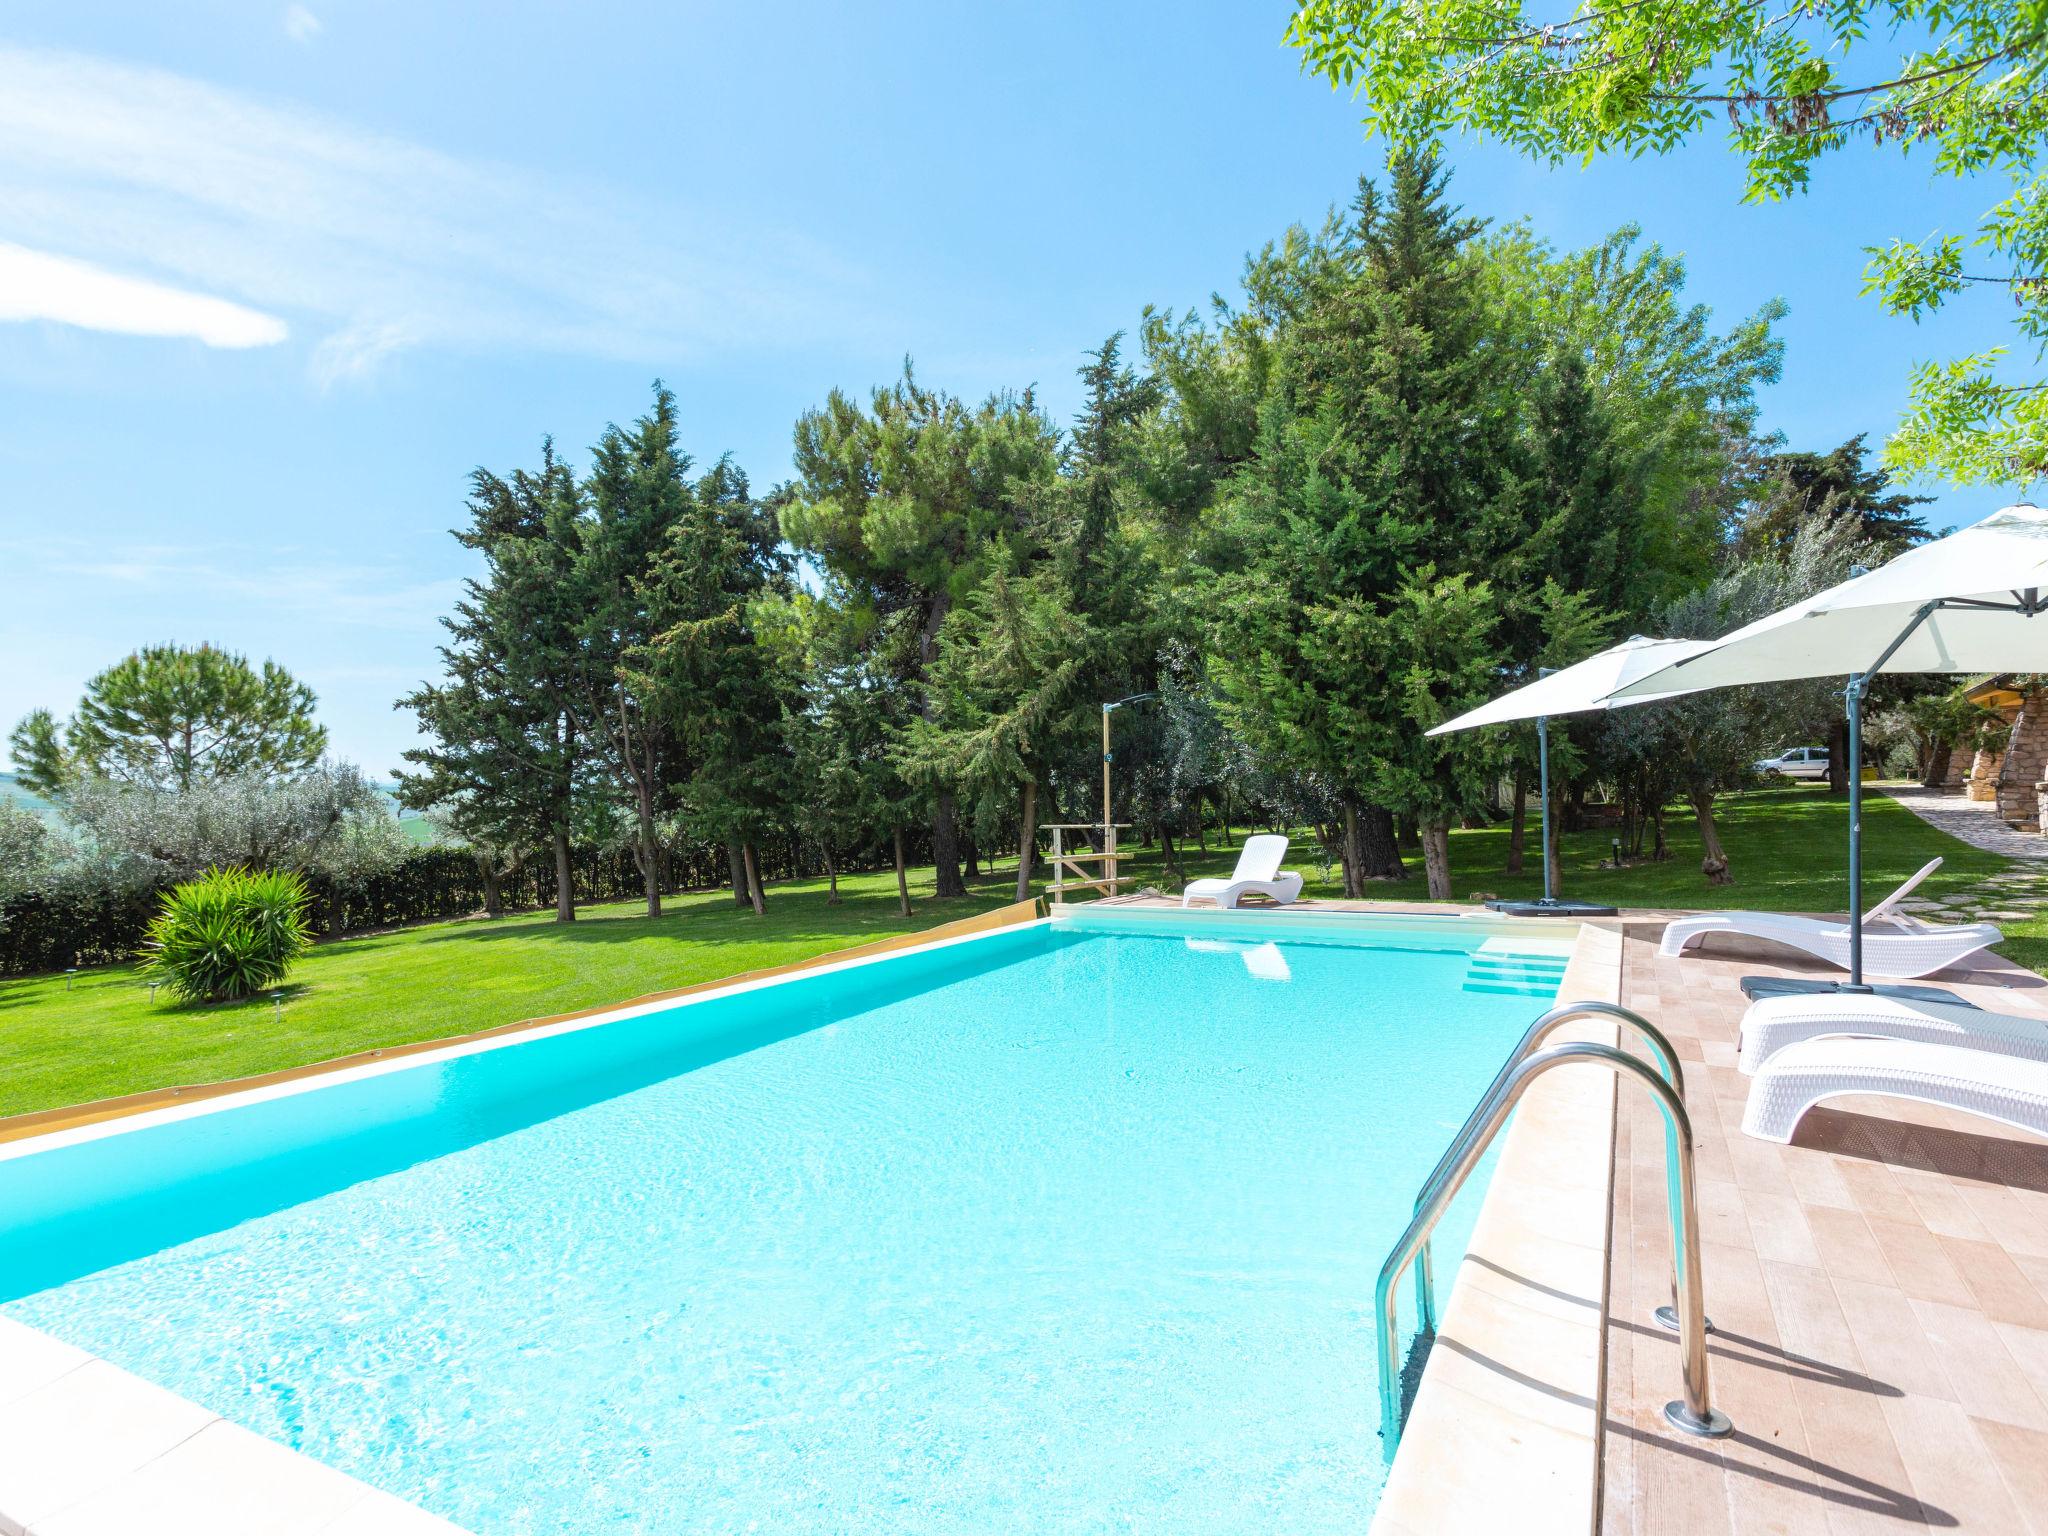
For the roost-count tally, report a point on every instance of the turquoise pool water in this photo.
(1056, 1230)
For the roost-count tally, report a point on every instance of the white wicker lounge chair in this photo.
(1258, 873)
(1894, 944)
(2002, 1088)
(1774, 1023)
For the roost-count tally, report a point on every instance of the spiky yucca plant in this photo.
(228, 933)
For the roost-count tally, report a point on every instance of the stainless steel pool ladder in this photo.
(1694, 1411)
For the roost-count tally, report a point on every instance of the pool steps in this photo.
(1519, 967)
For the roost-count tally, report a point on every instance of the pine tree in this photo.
(1801, 487)
(904, 504)
(702, 673)
(1007, 684)
(638, 494)
(171, 716)
(507, 755)
(1384, 458)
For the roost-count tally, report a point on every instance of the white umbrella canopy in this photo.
(1572, 690)
(1965, 603)
(1583, 686)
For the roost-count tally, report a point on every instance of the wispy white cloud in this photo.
(300, 24)
(376, 243)
(357, 351)
(35, 285)
(308, 586)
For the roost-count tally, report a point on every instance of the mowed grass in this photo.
(102, 1036)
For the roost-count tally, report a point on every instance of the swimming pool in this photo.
(1071, 1226)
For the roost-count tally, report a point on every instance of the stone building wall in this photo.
(2025, 763)
(1983, 782)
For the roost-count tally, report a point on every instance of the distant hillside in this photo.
(11, 790)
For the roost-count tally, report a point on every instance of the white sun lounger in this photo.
(2002, 1088)
(1773, 1023)
(1258, 873)
(1902, 946)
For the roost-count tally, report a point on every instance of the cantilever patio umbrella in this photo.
(1586, 685)
(1971, 602)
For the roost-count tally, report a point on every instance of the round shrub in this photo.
(229, 933)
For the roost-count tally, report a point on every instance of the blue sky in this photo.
(392, 241)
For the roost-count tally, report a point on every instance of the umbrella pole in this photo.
(1854, 695)
(1543, 782)
(1858, 682)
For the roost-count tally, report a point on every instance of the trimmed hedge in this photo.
(44, 932)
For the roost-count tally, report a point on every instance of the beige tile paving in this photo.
(1879, 1291)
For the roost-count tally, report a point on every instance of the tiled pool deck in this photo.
(1879, 1290)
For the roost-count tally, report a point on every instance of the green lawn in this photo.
(1787, 848)
(103, 1036)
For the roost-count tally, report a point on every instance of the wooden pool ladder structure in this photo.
(1693, 1411)
(1074, 862)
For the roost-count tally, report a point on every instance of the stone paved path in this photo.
(2015, 893)
(1971, 821)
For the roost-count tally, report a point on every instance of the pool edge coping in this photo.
(1507, 1428)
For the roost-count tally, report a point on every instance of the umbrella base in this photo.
(1551, 907)
(1756, 988)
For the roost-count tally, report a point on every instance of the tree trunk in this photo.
(753, 878)
(1027, 839)
(1660, 852)
(945, 821)
(1169, 855)
(1713, 857)
(832, 874)
(1351, 850)
(736, 867)
(1518, 822)
(1838, 758)
(970, 853)
(946, 847)
(647, 854)
(565, 889)
(902, 877)
(494, 891)
(1436, 859)
(1555, 863)
(1382, 856)
(1937, 766)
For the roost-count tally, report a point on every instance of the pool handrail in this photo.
(1693, 1412)
(1545, 1025)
